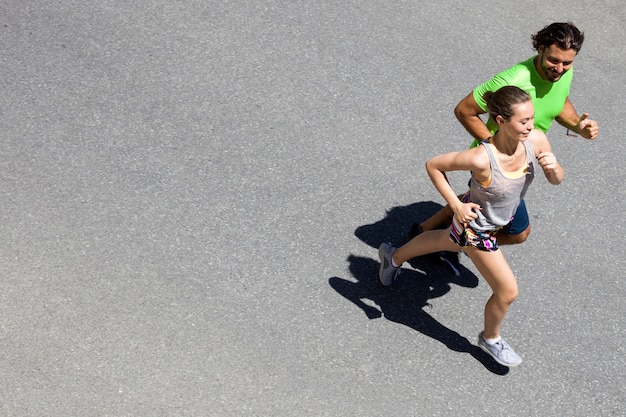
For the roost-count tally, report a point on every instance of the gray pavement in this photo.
(193, 192)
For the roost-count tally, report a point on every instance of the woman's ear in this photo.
(499, 120)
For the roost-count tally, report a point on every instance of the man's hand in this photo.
(588, 128)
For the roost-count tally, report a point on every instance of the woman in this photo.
(502, 168)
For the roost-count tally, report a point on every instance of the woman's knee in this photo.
(508, 295)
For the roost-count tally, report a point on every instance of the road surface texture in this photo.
(193, 193)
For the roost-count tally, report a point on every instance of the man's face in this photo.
(553, 62)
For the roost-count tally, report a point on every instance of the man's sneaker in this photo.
(415, 230)
(387, 272)
(451, 260)
(501, 351)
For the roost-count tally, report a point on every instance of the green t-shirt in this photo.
(548, 97)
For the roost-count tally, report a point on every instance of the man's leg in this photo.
(442, 218)
(439, 220)
(505, 238)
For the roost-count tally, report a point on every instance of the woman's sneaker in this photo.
(387, 272)
(501, 351)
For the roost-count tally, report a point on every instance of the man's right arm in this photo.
(468, 112)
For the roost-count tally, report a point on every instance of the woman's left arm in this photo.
(543, 151)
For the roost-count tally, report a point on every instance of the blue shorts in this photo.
(520, 221)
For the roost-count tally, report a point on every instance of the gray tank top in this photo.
(500, 199)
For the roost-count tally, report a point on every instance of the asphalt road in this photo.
(193, 193)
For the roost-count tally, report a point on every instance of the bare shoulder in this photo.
(539, 141)
(476, 158)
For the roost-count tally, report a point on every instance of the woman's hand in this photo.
(465, 212)
(551, 168)
(548, 162)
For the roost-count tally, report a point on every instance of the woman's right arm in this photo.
(475, 160)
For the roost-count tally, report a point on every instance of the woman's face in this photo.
(522, 121)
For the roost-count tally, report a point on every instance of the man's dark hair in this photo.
(564, 35)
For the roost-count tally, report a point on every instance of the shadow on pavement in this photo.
(405, 300)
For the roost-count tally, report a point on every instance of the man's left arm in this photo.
(581, 125)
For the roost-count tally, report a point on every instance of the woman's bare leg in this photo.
(496, 271)
(431, 241)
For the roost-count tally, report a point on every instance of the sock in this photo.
(492, 342)
(393, 263)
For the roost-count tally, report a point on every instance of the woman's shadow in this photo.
(405, 300)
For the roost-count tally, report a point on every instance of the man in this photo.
(547, 77)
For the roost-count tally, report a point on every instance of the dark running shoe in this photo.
(387, 272)
(451, 260)
(415, 230)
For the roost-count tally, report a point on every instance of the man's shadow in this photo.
(404, 302)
